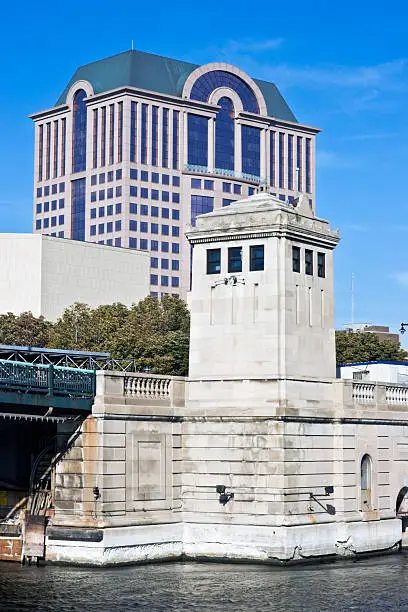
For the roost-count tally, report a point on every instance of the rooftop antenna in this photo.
(352, 298)
(132, 44)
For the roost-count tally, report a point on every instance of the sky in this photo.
(342, 67)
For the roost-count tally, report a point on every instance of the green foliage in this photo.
(154, 332)
(353, 347)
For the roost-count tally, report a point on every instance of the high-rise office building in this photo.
(138, 145)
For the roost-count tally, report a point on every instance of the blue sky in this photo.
(342, 67)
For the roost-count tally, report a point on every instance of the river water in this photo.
(376, 584)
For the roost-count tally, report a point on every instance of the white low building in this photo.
(45, 275)
(375, 371)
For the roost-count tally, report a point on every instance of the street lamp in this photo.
(402, 328)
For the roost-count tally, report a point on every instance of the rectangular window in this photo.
(132, 243)
(118, 208)
(155, 194)
(110, 176)
(144, 227)
(78, 193)
(46, 206)
(120, 131)
(143, 157)
(101, 194)
(55, 165)
(53, 188)
(38, 224)
(226, 187)
(208, 185)
(155, 211)
(144, 193)
(39, 192)
(60, 234)
(154, 262)
(308, 165)
(54, 205)
(111, 133)
(48, 151)
(175, 198)
(174, 281)
(62, 187)
(119, 174)
(46, 223)
(296, 259)
(118, 191)
(256, 258)
(154, 228)
(165, 281)
(227, 202)
(175, 214)
(165, 247)
(95, 139)
(133, 174)
(40, 152)
(109, 210)
(251, 150)
(94, 179)
(118, 226)
(93, 230)
(290, 162)
(133, 209)
(133, 133)
(165, 230)
(109, 227)
(321, 265)
(63, 141)
(195, 183)
(175, 264)
(61, 220)
(200, 205)
(213, 261)
(165, 137)
(93, 213)
(175, 140)
(144, 209)
(165, 213)
(281, 160)
(175, 232)
(61, 203)
(308, 262)
(102, 178)
(175, 248)
(299, 169)
(237, 189)
(103, 136)
(154, 245)
(235, 259)
(109, 193)
(133, 191)
(165, 196)
(165, 179)
(197, 140)
(154, 124)
(143, 243)
(118, 242)
(155, 177)
(101, 228)
(272, 159)
(38, 208)
(133, 225)
(165, 264)
(176, 181)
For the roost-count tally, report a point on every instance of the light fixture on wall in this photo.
(224, 496)
(232, 280)
(402, 328)
(329, 490)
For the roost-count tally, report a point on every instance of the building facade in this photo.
(138, 145)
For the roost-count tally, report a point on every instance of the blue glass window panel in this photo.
(144, 175)
(144, 192)
(61, 234)
(165, 213)
(133, 209)
(109, 227)
(281, 160)
(154, 228)
(133, 225)
(224, 135)
(299, 168)
(176, 198)
(118, 208)
(155, 177)
(213, 261)
(46, 223)
(133, 128)
(154, 294)
(251, 191)
(164, 281)
(165, 137)
(154, 125)
(175, 231)
(144, 209)
(109, 193)
(237, 189)
(133, 191)
(38, 208)
(155, 211)
(154, 279)
(282, 197)
(175, 264)
(93, 213)
(200, 205)
(118, 242)
(143, 243)
(165, 196)
(119, 174)
(94, 179)
(101, 242)
(165, 230)
(165, 247)
(206, 83)
(235, 259)
(165, 179)
(226, 187)
(46, 206)
(197, 140)
(154, 245)
(38, 224)
(101, 211)
(101, 194)
(195, 183)
(175, 214)
(144, 227)
(102, 178)
(226, 202)
(62, 187)
(155, 194)
(165, 264)
(308, 156)
(93, 196)
(79, 132)
(175, 248)
(290, 162)
(39, 192)
(272, 177)
(54, 189)
(118, 191)
(175, 281)
(109, 242)
(61, 203)
(118, 226)
(133, 243)
(143, 157)
(209, 185)
(101, 228)
(154, 262)
(175, 139)
(109, 210)
(133, 174)
(251, 150)
(78, 209)
(256, 257)
(110, 176)
(47, 190)
(176, 181)
(93, 230)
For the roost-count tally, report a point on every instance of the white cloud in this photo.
(401, 278)
(251, 46)
(331, 159)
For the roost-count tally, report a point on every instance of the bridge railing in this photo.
(48, 379)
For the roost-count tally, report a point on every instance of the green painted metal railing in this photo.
(48, 379)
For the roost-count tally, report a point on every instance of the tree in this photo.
(353, 347)
(24, 330)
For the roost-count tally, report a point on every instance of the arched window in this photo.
(79, 132)
(224, 135)
(366, 476)
(205, 85)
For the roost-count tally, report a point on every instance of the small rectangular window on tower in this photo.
(321, 265)
(309, 262)
(256, 258)
(235, 259)
(213, 261)
(296, 259)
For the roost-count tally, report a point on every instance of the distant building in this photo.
(381, 331)
(45, 275)
(138, 145)
(375, 371)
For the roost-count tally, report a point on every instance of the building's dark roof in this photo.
(161, 74)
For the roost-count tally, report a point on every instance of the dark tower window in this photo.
(235, 259)
(321, 265)
(296, 259)
(308, 262)
(224, 135)
(256, 258)
(213, 261)
(79, 132)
